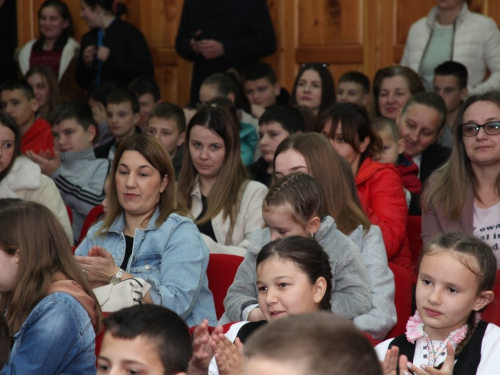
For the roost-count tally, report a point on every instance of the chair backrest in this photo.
(414, 230)
(90, 220)
(402, 299)
(492, 312)
(70, 214)
(220, 272)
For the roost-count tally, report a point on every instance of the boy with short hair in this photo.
(450, 82)
(18, 100)
(122, 108)
(77, 173)
(147, 339)
(97, 101)
(310, 344)
(392, 153)
(167, 124)
(275, 124)
(148, 95)
(354, 87)
(262, 88)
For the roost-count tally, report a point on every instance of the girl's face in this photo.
(41, 89)
(207, 151)
(446, 299)
(8, 270)
(309, 90)
(290, 161)
(419, 127)
(393, 95)
(91, 16)
(280, 223)
(51, 23)
(7, 147)
(482, 149)
(271, 135)
(283, 288)
(138, 184)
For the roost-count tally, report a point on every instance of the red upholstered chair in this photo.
(492, 312)
(90, 220)
(221, 271)
(402, 299)
(70, 214)
(414, 230)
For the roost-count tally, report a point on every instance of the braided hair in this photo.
(308, 255)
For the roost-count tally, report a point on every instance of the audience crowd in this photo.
(313, 194)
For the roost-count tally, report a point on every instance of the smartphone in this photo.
(196, 36)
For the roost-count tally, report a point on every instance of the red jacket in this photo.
(409, 173)
(380, 191)
(38, 138)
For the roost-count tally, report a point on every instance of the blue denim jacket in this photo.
(56, 338)
(173, 258)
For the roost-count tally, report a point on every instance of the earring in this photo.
(312, 235)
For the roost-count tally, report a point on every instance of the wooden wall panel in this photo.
(360, 35)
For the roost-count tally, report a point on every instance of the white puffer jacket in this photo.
(476, 44)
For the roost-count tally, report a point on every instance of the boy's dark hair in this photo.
(145, 85)
(260, 70)
(170, 111)
(162, 326)
(19, 84)
(319, 343)
(455, 69)
(79, 112)
(289, 118)
(119, 96)
(100, 93)
(356, 77)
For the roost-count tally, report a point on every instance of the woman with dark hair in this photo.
(54, 48)
(22, 178)
(113, 50)
(313, 88)
(380, 188)
(464, 194)
(144, 235)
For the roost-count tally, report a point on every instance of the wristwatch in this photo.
(115, 279)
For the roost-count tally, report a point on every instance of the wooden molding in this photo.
(348, 54)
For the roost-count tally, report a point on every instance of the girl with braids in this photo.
(293, 277)
(446, 335)
(295, 206)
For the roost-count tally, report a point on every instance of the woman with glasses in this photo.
(420, 123)
(464, 194)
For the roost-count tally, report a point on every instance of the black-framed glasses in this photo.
(471, 130)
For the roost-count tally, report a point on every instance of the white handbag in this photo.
(129, 292)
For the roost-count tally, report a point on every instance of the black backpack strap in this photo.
(247, 329)
(469, 358)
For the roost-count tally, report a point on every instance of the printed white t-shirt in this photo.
(486, 227)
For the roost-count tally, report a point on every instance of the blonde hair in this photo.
(224, 193)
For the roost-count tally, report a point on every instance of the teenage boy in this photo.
(168, 124)
(275, 125)
(18, 100)
(122, 108)
(263, 89)
(450, 82)
(145, 339)
(77, 173)
(354, 87)
(148, 94)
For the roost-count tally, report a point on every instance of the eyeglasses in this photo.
(471, 130)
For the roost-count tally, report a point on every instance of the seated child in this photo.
(122, 109)
(97, 102)
(262, 88)
(78, 175)
(354, 87)
(17, 99)
(144, 339)
(450, 82)
(167, 123)
(275, 125)
(392, 153)
(302, 265)
(455, 283)
(310, 344)
(148, 95)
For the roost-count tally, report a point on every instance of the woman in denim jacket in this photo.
(50, 308)
(144, 236)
